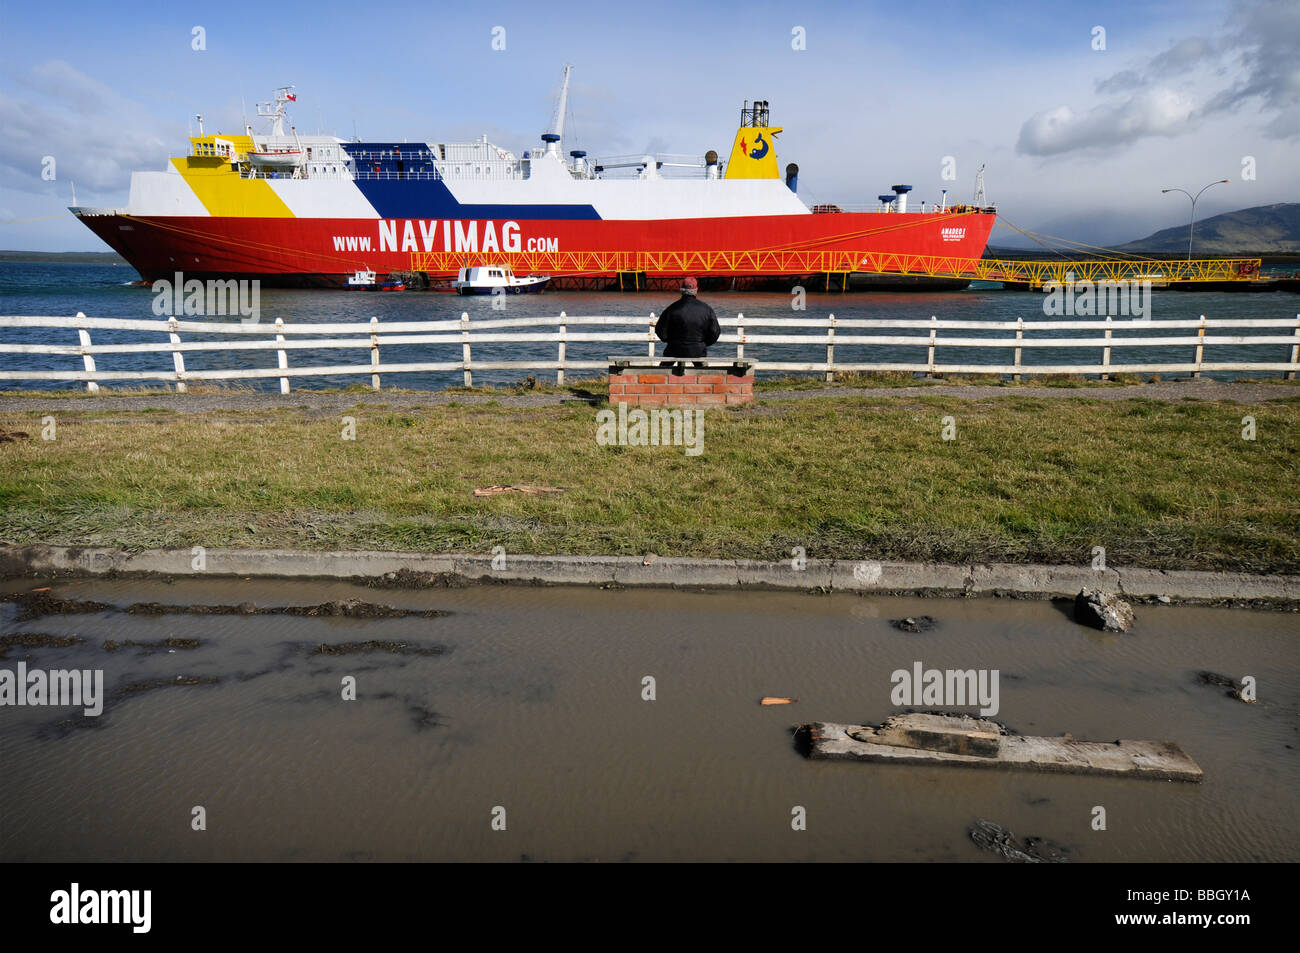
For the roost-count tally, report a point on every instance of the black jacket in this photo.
(688, 326)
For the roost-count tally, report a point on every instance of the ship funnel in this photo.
(901, 191)
(711, 164)
(753, 154)
(579, 157)
(792, 177)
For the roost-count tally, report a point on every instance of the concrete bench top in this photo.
(620, 365)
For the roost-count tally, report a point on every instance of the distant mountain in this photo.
(1104, 227)
(1265, 228)
(78, 257)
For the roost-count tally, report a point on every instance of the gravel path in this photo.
(1244, 392)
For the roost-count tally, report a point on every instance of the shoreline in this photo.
(399, 570)
(592, 391)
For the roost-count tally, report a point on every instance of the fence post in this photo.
(559, 374)
(1020, 336)
(740, 336)
(650, 335)
(281, 356)
(1105, 351)
(929, 357)
(1295, 350)
(464, 337)
(178, 359)
(374, 350)
(830, 348)
(83, 335)
(1200, 347)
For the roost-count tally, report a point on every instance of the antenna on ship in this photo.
(981, 200)
(277, 111)
(552, 138)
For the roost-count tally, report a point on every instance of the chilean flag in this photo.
(292, 97)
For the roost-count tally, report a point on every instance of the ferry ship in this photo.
(312, 210)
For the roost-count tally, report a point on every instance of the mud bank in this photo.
(416, 570)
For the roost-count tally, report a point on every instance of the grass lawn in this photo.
(1158, 483)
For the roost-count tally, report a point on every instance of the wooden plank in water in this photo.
(1156, 760)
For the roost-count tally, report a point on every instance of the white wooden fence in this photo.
(825, 332)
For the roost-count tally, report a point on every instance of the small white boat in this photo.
(286, 159)
(360, 280)
(487, 279)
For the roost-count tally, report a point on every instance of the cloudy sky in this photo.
(1082, 112)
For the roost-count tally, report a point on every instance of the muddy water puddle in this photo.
(531, 700)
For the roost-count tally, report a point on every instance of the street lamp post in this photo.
(1192, 224)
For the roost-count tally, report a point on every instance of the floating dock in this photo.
(925, 739)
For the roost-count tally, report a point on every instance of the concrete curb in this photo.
(991, 579)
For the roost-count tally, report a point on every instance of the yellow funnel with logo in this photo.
(753, 156)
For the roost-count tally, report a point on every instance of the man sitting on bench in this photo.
(687, 327)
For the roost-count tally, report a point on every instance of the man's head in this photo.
(690, 286)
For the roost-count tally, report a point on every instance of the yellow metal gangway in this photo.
(807, 261)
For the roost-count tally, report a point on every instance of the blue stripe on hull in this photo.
(430, 198)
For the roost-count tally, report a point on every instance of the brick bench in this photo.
(643, 381)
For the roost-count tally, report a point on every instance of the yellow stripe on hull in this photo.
(225, 194)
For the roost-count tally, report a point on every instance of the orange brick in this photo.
(653, 399)
(709, 378)
(638, 389)
(653, 378)
(740, 398)
(697, 389)
(667, 388)
(711, 398)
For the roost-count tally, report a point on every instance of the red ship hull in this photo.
(326, 250)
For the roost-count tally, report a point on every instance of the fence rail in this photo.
(933, 335)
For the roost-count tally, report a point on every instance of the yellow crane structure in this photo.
(1024, 272)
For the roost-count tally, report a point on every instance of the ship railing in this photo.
(914, 208)
(634, 160)
(389, 175)
(476, 171)
(344, 175)
(383, 155)
(1275, 340)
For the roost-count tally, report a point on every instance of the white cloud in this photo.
(1121, 82)
(1152, 112)
(1258, 49)
(1181, 57)
(1265, 47)
(96, 137)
